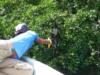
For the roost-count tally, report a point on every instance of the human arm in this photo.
(45, 41)
(42, 41)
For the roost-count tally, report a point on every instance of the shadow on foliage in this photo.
(34, 2)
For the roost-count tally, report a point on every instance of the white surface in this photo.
(42, 69)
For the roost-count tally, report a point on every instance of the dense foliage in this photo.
(78, 45)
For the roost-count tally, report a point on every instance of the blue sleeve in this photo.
(37, 37)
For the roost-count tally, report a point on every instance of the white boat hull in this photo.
(43, 69)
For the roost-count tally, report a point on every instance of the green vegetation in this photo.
(79, 31)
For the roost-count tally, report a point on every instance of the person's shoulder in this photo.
(32, 32)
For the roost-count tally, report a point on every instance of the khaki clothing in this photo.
(4, 53)
(5, 49)
(15, 67)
